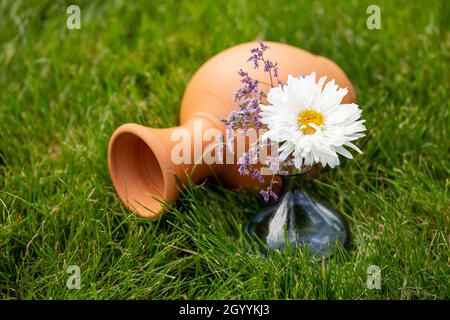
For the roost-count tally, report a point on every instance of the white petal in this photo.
(344, 152)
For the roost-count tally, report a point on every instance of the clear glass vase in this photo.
(298, 220)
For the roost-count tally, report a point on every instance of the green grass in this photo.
(62, 94)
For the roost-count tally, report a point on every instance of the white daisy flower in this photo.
(310, 121)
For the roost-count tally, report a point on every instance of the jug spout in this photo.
(147, 164)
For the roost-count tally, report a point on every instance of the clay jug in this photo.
(142, 170)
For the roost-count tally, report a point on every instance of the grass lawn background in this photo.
(63, 92)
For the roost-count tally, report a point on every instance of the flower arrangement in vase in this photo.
(143, 172)
(305, 123)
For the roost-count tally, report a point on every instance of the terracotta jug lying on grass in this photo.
(142, 170)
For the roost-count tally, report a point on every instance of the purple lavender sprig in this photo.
(270, 67)
(249, 96)
(248, 99)
(246, 169)
(268, 192)
(258, 54)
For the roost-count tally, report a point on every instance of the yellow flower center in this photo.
(307, 117)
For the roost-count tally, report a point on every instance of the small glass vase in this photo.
(298, 220)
